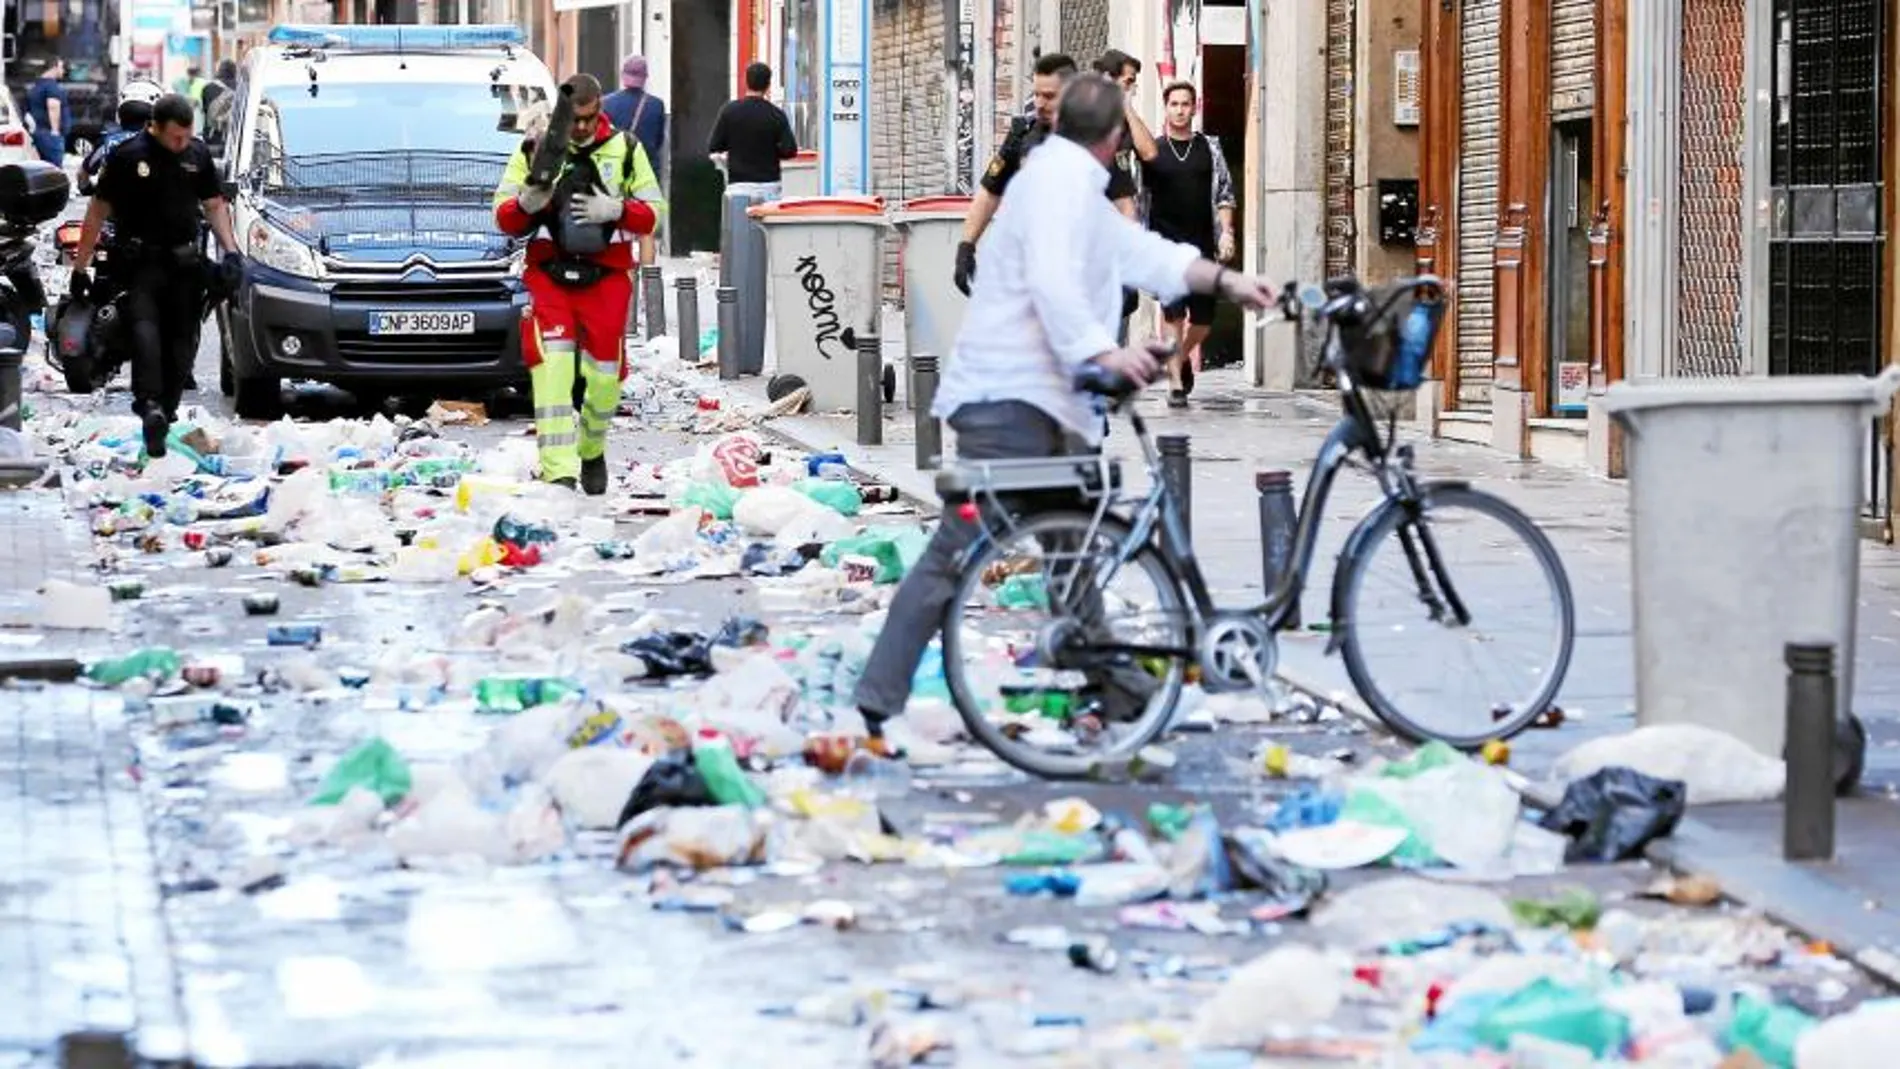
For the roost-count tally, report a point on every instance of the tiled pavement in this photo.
(82, 942)
(1853, 902)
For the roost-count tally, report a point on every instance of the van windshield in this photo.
(345, 118)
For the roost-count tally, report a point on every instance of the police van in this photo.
(361, 161)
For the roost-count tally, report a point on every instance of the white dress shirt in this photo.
(1048, 290)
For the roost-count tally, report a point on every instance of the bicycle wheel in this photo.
(1059, 655)
(1504, 667)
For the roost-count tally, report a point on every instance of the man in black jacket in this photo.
(755, 137)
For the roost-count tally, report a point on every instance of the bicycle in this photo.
(1132, 683)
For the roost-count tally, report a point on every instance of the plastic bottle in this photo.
(717, 765)
(180, 510)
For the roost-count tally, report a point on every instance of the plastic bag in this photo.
(1613, 813)
(1771, 1030)
(374, 765)
(771, 509)
(1713, 766)
(670, 782)
(717, 499)
(1254, 864)
(733, 460)
(707, 838)
(1548, 1010)
(835, 494)
(896, 551)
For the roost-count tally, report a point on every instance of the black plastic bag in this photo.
(672, 653)
(671, 782)
(1613, 813)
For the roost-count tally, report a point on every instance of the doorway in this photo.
(598, 37)
(1224, 118)
(1568, 285)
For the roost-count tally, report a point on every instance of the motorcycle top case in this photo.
(33, 191)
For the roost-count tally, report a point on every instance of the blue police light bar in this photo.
(398, 38)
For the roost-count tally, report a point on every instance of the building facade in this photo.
(1689, 188)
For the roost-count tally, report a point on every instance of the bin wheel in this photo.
(783, 386)
(1850, 754)
(890, 384)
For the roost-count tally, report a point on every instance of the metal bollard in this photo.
(726, 299)
(923, 384)
(1177, 469)
(688, 317)
(870, 390)
(653, 292)
(1279, 517)
(1807, 811)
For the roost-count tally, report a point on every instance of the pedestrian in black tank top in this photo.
(1191, 199)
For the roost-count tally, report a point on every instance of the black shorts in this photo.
(1197, 307)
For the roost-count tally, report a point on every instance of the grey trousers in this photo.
(998, 430)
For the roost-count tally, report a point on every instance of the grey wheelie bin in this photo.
(933, 306)
(1744, 514)
(826, 266)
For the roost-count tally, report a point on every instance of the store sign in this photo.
(846, 147)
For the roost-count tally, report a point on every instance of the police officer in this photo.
(1025, 133)
(135, 111)
(158, 189)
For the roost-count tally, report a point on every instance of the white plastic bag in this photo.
(700, 837)
(592, 784)
(1717, 767)
(1292, 987)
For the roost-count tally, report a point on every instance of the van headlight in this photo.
(271, 246)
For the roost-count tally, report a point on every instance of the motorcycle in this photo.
(21, 293)
(86, 336)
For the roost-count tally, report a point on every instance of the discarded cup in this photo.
(260, 604)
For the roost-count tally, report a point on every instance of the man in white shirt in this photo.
(1048, 301)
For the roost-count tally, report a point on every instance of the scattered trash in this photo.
(1613, 813)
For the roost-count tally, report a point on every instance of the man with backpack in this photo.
(635, 111)
(583, 227)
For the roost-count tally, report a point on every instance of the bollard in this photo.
(653, 292)
(870, 390)
(1807, 811)
(1177, 469)
(1279, 518)
(687, 318)
(923, 384)
(94, 1049)
(12, 355)
(726, 299)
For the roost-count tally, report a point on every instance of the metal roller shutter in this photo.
(1084, 33)
(1477, 198)
(1572, 58)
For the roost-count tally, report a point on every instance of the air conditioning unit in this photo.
(1405, 87)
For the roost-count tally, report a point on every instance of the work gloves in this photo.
(966, 266)
(596, 209)
(534, 199)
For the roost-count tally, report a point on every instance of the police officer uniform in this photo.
(1025, 133)
(157, 199)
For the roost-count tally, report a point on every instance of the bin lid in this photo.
(920, 209)
(820, 209)
(805, 157)
(1860, 390)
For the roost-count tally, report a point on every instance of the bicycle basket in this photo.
(1392, 349)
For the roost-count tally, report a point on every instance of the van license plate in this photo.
(422, 322)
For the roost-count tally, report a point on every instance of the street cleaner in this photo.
(585, 195)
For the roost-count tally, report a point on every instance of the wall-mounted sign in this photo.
(846, 145)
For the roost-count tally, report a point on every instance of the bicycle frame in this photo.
(1157, 514)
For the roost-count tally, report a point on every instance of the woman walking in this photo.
(1191, 200)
